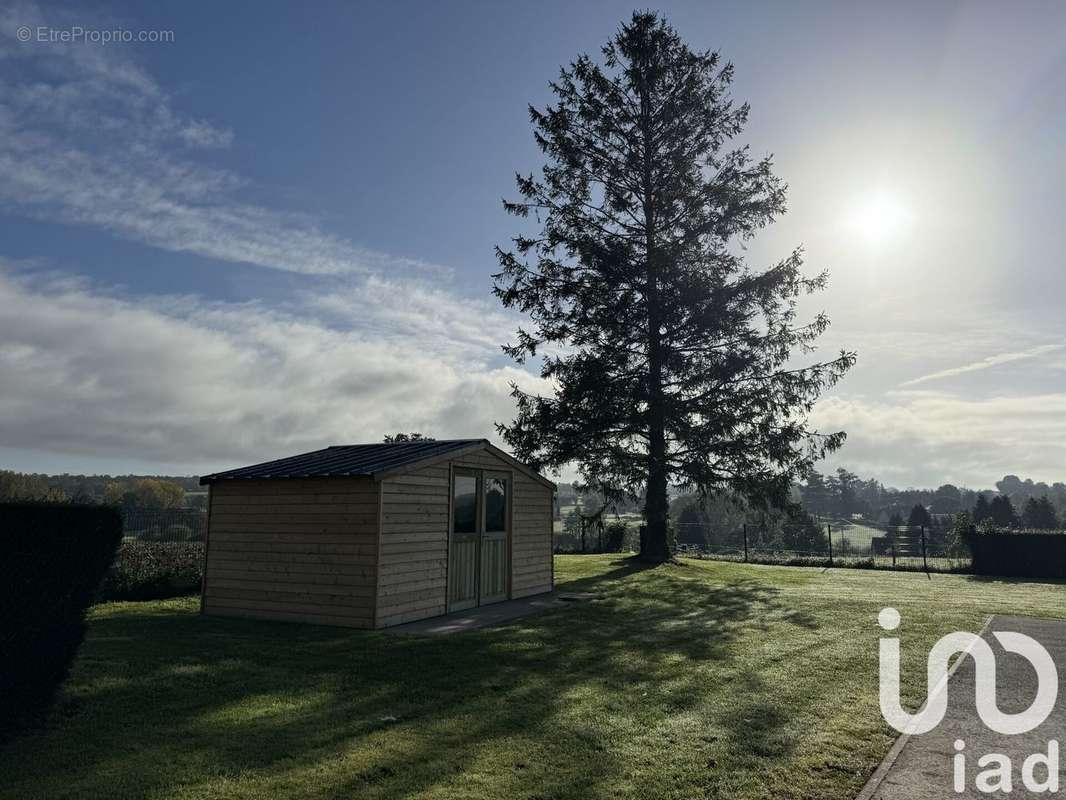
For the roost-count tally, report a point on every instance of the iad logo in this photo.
(996, 773)
(932, 713)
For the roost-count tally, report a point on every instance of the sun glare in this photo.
(880, 217)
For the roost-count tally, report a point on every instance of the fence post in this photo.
(829, 532)
(745, 543)
(925, 561)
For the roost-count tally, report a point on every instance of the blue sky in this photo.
(276, 231)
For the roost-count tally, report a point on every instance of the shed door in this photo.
(479, 559)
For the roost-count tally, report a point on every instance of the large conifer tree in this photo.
(670, 357)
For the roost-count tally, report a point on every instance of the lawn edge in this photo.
(878, 777)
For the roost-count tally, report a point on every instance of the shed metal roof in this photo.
(372, 460)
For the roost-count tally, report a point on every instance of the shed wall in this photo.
(294, 549)
(531, 526)
(413, 574)
(413, 577)
(531, 561)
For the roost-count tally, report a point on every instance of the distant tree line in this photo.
(999, 512)
(1015, 503)
(392, 438)
(144, 493)
(127, 491)
(15, 486)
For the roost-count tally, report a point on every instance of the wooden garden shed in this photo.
(373, 535)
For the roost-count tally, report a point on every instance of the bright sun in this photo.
(880, 217)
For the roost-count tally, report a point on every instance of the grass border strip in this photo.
(879, 774)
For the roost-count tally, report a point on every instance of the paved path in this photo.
(922, 766)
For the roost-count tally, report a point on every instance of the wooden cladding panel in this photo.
(286, 611)
(414, 545)
(294, 549)
(531, 560)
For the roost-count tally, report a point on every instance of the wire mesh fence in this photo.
(843, 543)
(164, 524)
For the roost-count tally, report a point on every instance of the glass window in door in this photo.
(464, 504)
(495, 504)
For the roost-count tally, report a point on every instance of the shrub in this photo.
(614, 536)
(52, 558)
(962, 531)
(147, 570)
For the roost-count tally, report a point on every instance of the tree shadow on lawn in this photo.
(535, 708)
(1004, 579)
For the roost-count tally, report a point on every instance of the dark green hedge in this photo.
(151, 570)
(1019, 555)
(52, 558)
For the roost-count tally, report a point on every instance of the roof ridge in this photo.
(407, 442)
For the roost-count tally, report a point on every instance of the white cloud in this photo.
(87, 137)
(418, 310)
(930, 438)
(987, 363)
(198, 385)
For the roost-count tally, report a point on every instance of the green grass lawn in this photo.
(707, 679)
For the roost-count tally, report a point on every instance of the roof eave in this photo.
(207, 480)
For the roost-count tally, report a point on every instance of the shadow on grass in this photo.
(163, 699)
(1010, 580)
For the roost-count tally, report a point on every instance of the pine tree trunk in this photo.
(656, 545)
(656, 504)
